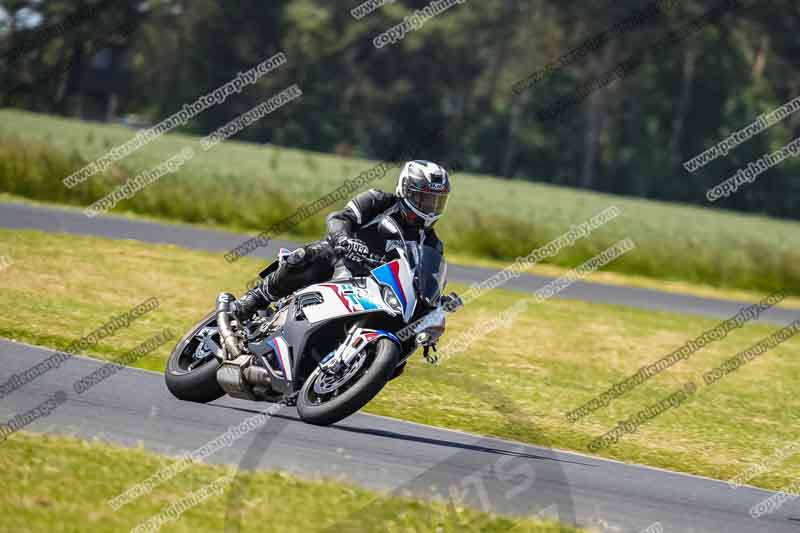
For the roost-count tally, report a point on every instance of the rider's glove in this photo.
(354, 249)
(451, 302)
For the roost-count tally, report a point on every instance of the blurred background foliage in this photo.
(456, 72)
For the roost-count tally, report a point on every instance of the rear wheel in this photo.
(328, 398)
(191, 372)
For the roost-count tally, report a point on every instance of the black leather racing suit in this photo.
(317, 262)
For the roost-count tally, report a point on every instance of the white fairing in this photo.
(343, 298)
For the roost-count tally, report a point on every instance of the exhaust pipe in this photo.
(224, 308)
(256, 375)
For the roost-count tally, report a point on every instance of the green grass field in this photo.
(518, 384)
(248, 186)
(60, 484)
(607, 277)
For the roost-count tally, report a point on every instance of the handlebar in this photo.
(371, 260)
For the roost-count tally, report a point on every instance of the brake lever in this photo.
(373, 260)
(430, 358)
(452, 302)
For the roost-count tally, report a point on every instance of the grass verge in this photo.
(516, 383)
(554, 271)
(487, 218)
(60, 484)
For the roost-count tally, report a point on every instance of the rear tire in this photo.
(197, 384)
(382, 367)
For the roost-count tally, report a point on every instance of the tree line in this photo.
(612, 96)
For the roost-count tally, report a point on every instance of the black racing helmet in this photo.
(424, 187)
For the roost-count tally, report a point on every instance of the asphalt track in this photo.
(51, 219)
(133, 406)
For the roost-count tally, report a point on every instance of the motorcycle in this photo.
(328, 348)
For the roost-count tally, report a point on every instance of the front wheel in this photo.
(326, 399)
(191, 372)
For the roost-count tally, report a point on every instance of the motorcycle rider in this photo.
(420, 198)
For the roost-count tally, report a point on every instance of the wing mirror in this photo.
(388, 227)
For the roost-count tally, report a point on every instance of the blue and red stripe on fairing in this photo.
(389, 274)
(281, 350)
(370, 335)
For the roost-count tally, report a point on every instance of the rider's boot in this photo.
(253, 300)
(260, 296)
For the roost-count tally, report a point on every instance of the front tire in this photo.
(380, 368)
(185, 380)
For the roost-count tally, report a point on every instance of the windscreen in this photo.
(432, 275)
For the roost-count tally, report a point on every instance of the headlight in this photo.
(391, 300)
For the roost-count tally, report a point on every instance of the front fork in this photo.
(357, 340)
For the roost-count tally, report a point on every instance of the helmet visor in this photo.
(430, 203)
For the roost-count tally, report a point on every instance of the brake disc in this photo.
(327, 383)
